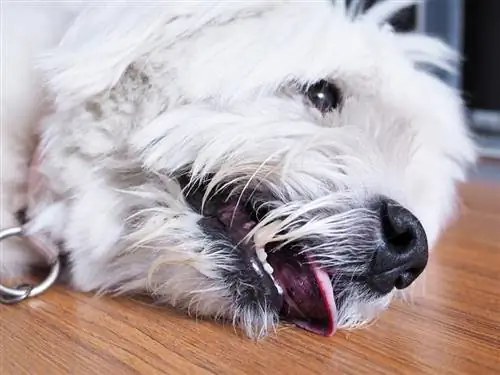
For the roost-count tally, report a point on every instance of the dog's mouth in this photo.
(307, 290)
(295, 286)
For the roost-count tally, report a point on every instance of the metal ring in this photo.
(10, 300)
(21, 292)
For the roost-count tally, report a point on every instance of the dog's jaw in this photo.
(219, 96)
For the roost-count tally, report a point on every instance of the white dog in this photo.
(248, 160)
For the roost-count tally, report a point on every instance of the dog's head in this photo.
(317, 157)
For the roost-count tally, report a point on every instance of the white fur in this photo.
(22, 103)
(145, 90)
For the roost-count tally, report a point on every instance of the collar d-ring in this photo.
(11, 295)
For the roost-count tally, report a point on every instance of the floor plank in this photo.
(451, 326)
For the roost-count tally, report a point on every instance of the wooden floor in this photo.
(452, 326)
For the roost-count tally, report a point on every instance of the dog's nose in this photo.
(403, 254)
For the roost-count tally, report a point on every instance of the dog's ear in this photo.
(104, 40)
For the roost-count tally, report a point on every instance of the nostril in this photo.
(398, 240)
(397, 226)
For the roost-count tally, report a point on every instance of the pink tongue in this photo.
(308, 293)
(328, 326)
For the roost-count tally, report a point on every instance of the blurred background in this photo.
(473, 28)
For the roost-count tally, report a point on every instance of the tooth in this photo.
(268, 268)
(261, 254)
(263, 235)
(278, 288)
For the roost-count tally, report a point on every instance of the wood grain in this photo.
(451, 326)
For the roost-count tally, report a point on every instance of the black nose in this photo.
(402, 254)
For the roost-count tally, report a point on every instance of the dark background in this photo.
(480, 28)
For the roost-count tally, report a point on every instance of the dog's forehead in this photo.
(301, 42)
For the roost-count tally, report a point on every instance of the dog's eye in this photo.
(325, 96)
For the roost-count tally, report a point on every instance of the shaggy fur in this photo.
(144, 103)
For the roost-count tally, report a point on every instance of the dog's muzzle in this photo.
(286, 279)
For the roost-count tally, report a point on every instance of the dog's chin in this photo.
(278, 277)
